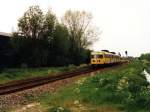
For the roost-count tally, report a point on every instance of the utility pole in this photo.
(126, 52)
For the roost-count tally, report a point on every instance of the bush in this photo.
(145, 56)
(126, 87)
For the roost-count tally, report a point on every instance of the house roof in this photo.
(5, 34)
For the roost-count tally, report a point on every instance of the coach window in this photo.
(99, 56)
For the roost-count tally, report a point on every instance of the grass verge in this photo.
(10, 74)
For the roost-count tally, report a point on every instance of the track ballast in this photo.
(15, 86)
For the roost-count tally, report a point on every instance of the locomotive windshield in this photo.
(96, 56)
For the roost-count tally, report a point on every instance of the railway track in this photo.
(20, 85)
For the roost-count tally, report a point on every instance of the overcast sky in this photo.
(125, 24)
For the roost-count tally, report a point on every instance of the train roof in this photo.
(100, 52)
(103, 52)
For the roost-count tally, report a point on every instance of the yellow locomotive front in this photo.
(97, 58)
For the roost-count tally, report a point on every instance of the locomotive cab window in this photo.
(92, 56)
(96, 56)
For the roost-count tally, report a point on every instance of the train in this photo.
(104, 57)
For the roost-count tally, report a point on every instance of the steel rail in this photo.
(20, 85)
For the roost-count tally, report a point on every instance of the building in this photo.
(5, 49)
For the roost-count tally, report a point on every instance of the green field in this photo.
(121, 90)
(10, 74)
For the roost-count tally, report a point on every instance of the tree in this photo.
(79, 25)
(36, 34)
(81, 33)
(31, 24)
(42, 41)
(49, 24)
(61, 45)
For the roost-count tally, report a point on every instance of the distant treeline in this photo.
(41, 40)
(145, 56)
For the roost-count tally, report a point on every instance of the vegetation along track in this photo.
(20, 85)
